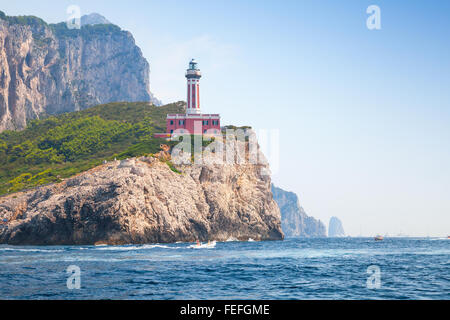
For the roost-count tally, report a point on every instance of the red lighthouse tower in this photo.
(194, 121)
(193, 76)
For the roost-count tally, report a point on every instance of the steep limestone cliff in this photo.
(145, 201)
(294, 220)
(51, 69)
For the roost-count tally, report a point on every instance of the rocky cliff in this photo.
(51, 69)
(335, 228)
(93, 19)
(294, 220)
(144, 200)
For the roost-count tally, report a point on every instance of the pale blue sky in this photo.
(363, 115)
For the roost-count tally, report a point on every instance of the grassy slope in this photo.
(61, 146)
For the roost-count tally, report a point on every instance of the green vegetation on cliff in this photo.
(61, 29)
(58, 147)
(87, 31)
(22, 20)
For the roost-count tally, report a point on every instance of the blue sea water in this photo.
(290, 269)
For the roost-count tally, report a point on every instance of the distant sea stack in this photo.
(335, 228)
(50, 69)
(294, 221)
(146, 200)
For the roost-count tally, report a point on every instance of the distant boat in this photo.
(379, 238)
(199, 245)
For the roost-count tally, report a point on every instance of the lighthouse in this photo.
(194, 121)
(193, 76)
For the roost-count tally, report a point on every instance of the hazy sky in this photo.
(363, 116)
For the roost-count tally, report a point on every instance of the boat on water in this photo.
(379, 238)
(199, 245)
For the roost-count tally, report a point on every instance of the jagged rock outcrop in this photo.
(145, 201)
(335, 228)
(50, 69)
(294, 220)
(93, 19)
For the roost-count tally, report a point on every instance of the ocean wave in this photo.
(31, 250)
(131, 248)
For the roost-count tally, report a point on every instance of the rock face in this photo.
(93, 19)
(144, 201)
(335, 228)
(51, 69)
(294, 221)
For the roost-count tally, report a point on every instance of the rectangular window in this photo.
(171, 122)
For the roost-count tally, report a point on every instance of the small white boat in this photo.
(209, 245)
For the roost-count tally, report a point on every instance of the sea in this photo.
(294, 269)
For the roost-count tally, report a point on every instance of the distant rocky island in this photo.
(335, 228)
(50, 69)
(294, 220)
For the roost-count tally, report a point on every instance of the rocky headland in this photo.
(294, 220)
(146, 200)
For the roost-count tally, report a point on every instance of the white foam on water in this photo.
(131, 248)
(161, 246)
(31, 250)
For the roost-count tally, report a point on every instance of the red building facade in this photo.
(193, 124)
